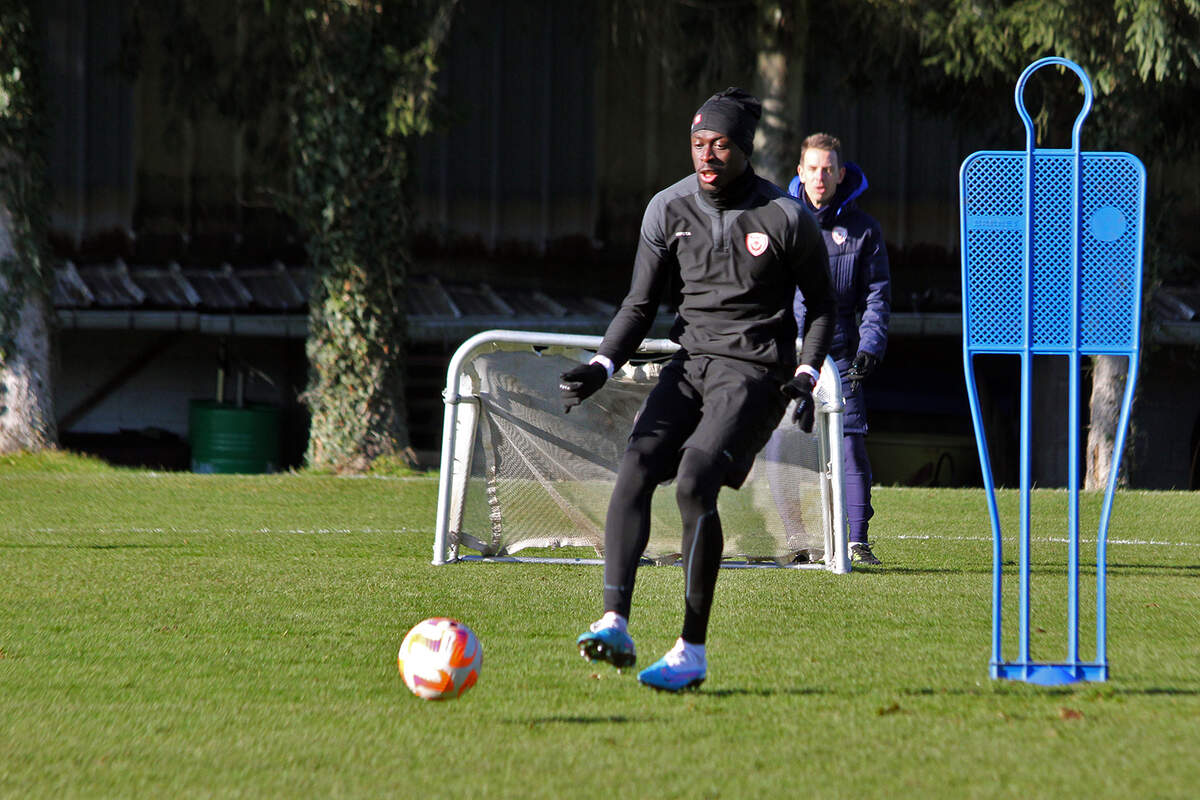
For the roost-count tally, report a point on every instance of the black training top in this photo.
(737, 261)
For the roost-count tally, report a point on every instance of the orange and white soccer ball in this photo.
(440, 658)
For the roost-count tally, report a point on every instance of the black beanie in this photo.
(733, 113)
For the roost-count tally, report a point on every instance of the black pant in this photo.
(702, 424)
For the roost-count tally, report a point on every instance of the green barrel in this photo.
(228, 439)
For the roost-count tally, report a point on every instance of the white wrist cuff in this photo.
(605, 362)
(805, 369)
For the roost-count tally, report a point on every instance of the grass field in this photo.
(168, 635)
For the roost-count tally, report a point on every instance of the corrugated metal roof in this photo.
(70, 290)
(1178, 303)
(273, 287)
(166, 288)
(430, 299)
(273, 300)
(111, 285)
(220, 289)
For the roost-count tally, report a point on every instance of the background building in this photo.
(175, 268)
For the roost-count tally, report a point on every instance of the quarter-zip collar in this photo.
(733, 194)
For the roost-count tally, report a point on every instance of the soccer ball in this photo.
(440, 658)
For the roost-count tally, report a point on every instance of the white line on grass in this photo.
(309, 531)
(200, 531)
(1056, 539)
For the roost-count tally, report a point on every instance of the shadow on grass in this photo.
(578, 719)
(1011, 567)
(1185, 570)
(622, 719)
(980, 570)
(1087, 691)
(736, 692)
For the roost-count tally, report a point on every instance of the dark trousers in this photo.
(857, 470)
(702, 424)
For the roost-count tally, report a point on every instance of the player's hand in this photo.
(800, 389)
(579, 383)
(863, 365)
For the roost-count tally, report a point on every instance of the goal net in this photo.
(517, 474)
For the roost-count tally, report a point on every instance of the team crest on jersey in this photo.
(839, 235)
(757, 243)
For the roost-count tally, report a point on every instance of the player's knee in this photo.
(642, 465)
(698, 482)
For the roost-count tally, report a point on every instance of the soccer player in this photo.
(858, 262)
(736, 248)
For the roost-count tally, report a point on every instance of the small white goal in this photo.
(518, 474)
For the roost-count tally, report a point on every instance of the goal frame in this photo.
(461, 418)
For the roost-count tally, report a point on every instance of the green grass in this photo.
(58, 461)
(167, 635)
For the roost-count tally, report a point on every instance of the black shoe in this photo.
(860, 553)
(809, 557)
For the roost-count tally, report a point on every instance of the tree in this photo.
(779, 81)
(765, 56)
(26, 396)
(356, 80)
(1143, 57)
(364, 84)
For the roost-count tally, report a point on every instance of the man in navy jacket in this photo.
(858, 264)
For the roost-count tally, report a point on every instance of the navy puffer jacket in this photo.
(858, 264)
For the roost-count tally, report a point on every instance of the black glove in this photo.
(863, 365)
(579, 383)
(800, 389)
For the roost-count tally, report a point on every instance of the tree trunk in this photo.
(26, 401)
(779, 84)
(1108, 386)
(356, 348)
(26, 407)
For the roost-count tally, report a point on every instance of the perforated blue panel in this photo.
(1110, 240)
(1051, 313)
(994, 224)
(1110, 245)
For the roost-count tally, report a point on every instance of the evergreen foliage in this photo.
(1143, 58)
(364, 83)
(356, 80)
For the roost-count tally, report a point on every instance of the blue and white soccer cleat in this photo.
(608, 640)
(683, 667)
